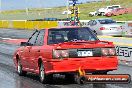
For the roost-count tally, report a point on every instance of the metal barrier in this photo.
(18, 24)
(24, 24)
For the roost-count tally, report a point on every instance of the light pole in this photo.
(0, 6)
(26, 8)
(67, 7)
(40, 6)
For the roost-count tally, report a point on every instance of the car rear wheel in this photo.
(70, 77)
(19, 69)
(42, 74)
(80, 80)
(44, 78)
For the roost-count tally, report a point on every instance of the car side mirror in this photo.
(23, 44)
(26, 44)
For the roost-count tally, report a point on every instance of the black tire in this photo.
(70, 77)
(19, 69)
(81, 80)
(43, 77)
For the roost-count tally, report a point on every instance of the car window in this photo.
(70, 34)
(40, 38)
(33, 38)
(110, 7)
(115, 6)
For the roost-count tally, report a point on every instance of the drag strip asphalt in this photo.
(10, 79)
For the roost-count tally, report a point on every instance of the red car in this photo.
(64, 51)
(116, 12)
(129, 10)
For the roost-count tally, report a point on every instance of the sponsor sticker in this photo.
(111, 78)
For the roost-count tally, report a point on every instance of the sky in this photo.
(22, 4)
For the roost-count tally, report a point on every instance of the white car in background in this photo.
(127, 29)
(103, 11)
(105, 26)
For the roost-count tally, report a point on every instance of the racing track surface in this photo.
(10, 79)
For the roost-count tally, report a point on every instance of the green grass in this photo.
(56, 12)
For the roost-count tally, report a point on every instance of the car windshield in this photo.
(110, 7)
(107, 21)
(70, 34)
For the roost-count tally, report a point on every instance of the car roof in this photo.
(64, 27)
(59, 28)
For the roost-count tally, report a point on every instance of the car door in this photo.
(35, 51)
(27, 50)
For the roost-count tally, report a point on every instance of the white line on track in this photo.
(6, 38)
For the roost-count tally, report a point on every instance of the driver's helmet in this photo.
(72, 35)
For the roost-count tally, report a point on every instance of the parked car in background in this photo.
(116, 12)
(105, 26)
(129, 10)
(103, 11)
(116, 6)
(127, 29)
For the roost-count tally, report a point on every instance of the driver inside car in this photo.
(75, 36)
(72, 35)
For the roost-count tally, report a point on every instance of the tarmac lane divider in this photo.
(84, 78)
(13, 41)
